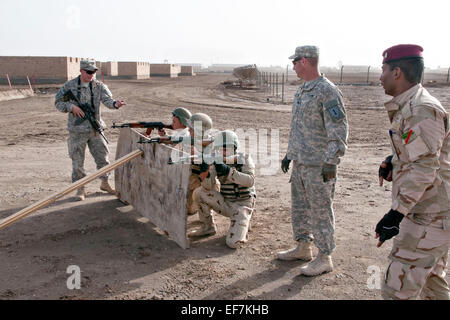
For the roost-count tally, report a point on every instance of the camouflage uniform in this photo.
(236, 198)
(318, 135)
(421, 191)
(82, 134)
(194, 179)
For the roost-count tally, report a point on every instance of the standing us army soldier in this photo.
(88, 91)
(420, 212)
(317, 139)
(236, 198)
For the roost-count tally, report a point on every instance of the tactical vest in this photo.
(233, 192)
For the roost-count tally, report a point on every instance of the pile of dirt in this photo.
(15, 94)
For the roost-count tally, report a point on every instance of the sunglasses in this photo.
(295, 61)
(90, 72)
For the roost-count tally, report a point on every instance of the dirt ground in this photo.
(123, 258)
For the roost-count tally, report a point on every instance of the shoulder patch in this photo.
(334, 110)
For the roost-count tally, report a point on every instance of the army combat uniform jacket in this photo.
(421, 145)
(100, 93)
(319, 126)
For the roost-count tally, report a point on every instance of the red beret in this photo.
(402, 51)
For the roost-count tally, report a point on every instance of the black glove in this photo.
(389, 225)
(329, 171)
(285, 164)
(384, 172)
(222, 169)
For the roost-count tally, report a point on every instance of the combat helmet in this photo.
(203, 118)
(183, 114)
(226, 138)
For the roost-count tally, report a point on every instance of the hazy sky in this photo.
(225, 31)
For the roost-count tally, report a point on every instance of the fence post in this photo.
(7, 77)
(448, 73)
(273, 84)
(265, 81)
(342, 68)
(287, 72)
(282, 87)
(34, 87)
(276, 83)
(368, 70)
(270, 82)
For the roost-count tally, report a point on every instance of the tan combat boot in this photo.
(208, 226)
(81, 194)
(303, 251)
(204, 230)
(104, 186)
(321, 264)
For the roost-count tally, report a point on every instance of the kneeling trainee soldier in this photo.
(194, 180)
(236, 198)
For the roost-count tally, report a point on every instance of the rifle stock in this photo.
(88, 114)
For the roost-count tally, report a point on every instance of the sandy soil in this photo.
(123, 258)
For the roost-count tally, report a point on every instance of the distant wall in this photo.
(110, 68)
(45, 69)
(187, 71)
(164, 70)
(133, 70)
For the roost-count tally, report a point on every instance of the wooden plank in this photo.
(156, 190)
(45, 202)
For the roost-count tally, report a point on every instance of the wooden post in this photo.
(7, 77)
(43, 203)
(29, 84)
(282, 87)
(448, 74)
(342, 69)
(34, 87)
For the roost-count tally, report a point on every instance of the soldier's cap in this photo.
(401, 52)
(88, 65)
(306, 52)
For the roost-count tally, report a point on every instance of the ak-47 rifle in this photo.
(209, 159)
(89, 114)
(175, 140)
(149, 125)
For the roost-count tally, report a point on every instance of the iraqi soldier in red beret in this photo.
(420, 173)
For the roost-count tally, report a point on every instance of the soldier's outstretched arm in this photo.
(107, 99)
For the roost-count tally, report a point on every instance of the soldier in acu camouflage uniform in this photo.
(90, 91)
(236, 198)
(420, 174)
(316, 142)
